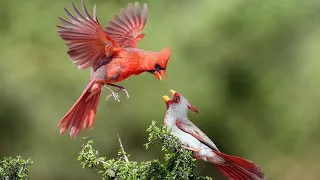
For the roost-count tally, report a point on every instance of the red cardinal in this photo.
(194, 139)
(112, 55)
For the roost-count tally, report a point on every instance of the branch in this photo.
(123, 152)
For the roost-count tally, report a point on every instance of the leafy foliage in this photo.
(14, 168)
(178, 162)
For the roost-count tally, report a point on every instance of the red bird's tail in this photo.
(83, 112)
(236, 168)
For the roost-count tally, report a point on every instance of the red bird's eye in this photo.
(176, 99)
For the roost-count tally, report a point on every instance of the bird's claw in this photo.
(116, 94)
(125, 91)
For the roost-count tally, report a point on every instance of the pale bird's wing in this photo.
(187, 126)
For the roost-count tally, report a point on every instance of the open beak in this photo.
(166, 98)
(192, 108)
(163, 73)
(160, 74)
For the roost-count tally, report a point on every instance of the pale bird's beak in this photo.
(192, 108)
(166, 98)
(158, 75)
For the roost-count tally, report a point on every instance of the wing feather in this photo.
(190, 128)
(126, 28)
(85, 38)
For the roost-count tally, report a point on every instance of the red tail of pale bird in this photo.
(236, 168)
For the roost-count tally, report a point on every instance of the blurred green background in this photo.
(251, 67)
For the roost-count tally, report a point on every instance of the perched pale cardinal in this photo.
(112, 55)
(194, 139)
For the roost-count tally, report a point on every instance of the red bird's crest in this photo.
(164, 57)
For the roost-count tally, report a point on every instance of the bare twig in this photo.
(122, 149)
(86, 137)
(104, 162)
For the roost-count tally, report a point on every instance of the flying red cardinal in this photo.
(194, 139)
(112, 55)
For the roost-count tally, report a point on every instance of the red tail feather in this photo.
(83, 112)
(236, 168)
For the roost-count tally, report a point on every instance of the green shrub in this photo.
(178, 162)
(14, 168)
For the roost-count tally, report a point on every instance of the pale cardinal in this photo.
(111, 53)
(194, 139)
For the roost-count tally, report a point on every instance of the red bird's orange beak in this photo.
(192, 108)
(163, 73)
(160, 74)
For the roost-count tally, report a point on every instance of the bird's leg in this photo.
(116, 94)
(120, 89)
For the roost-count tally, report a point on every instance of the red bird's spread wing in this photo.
(190, 128)
(126, 28)
(85, 38)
